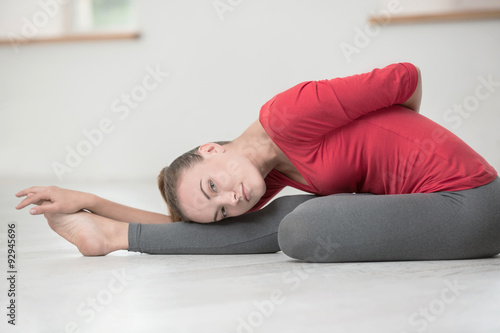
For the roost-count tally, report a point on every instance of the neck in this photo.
(256, 145)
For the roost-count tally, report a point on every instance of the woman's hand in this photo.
(60, 200)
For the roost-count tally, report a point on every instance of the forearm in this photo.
(415, 99)
(119, 212)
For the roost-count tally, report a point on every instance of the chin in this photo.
(259, 190)
(258, 196)
(257, 187)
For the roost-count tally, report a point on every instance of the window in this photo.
(43, 21)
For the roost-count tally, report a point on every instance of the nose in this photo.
(231, 198)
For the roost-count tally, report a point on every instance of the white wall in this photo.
(220, 73)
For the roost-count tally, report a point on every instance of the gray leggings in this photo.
(345, 228)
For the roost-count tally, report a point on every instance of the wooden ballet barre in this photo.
(422, 18)
(77, 38)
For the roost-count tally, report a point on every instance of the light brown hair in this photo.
(168, 180)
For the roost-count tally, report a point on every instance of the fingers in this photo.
(44, 208)
(33, 189)
(33, 199)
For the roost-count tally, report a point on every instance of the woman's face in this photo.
(224, 184)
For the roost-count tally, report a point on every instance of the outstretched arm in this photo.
(63, 201)
(124, 213)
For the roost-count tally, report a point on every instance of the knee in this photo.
(299, 239)
(289, 236)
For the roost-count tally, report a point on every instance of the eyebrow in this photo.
(206, 195)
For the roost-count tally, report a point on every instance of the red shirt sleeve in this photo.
(313, 108)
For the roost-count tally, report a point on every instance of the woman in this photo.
(392, 185)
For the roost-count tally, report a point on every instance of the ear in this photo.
(210, 148)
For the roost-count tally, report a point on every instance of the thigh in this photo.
(421, 226)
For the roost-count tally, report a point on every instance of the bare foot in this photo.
(92, 234)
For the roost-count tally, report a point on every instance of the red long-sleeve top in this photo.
(350, 135)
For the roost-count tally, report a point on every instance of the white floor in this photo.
(58, 290)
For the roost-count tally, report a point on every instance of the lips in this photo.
(245, 193)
